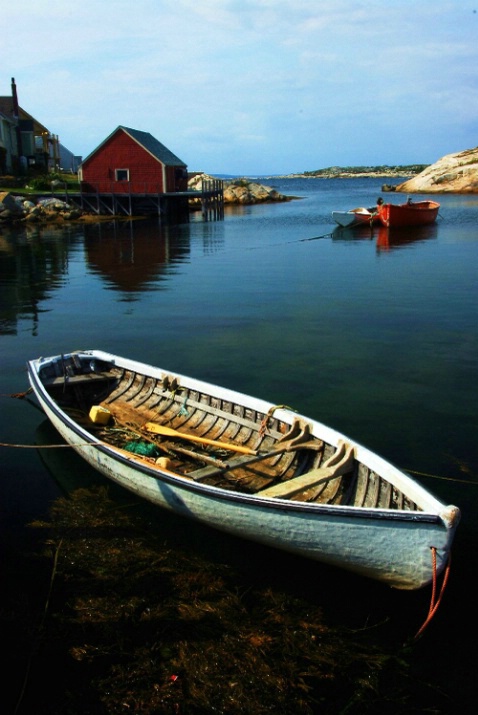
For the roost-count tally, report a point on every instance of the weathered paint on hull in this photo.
(394, 547)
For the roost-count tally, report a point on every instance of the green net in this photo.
(146, 449)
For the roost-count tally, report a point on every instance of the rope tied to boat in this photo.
(434, 601)
(268, 416)
(20, 395)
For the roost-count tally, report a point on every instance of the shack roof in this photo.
(148, 142)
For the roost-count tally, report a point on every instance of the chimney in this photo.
(16, 117)
(14, 98)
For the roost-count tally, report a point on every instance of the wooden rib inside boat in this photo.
(281, 453)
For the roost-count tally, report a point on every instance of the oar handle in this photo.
(170, 432)
(216, 443)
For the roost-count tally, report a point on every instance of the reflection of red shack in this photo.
(132, 259)
(133, 162)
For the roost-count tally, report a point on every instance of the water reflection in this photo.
(68, 470)
(392, 238)
(357, 233)
(386, 238)
(210, 235)
(130, 256)
(33, 263)
(36, 261)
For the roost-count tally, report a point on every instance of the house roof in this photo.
(149, 143)
(6, 117)
(6, 108)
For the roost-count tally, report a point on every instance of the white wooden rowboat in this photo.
(245, 466)
(355, 217)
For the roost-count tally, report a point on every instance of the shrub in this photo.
(43, 182)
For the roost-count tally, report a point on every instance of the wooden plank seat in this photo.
(235, 463)
(83, 379)
(298, 437)
(338, 464)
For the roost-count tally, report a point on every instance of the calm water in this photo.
(374, 334)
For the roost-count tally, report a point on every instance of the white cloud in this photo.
(325, 81)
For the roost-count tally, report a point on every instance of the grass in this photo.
(41, 184)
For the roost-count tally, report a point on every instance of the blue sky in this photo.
(252, 87)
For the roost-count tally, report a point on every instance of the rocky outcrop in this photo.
(240, 191)
(18, 208)
(454, 173)
(249, 192)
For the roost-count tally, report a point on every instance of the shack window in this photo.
(122, 174)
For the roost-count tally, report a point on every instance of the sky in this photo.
(251, 87)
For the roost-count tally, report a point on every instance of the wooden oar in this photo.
(169, 432)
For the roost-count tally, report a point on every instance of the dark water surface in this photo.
(374, 334)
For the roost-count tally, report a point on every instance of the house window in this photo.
(121, 174)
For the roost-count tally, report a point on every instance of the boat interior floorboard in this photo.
(286, 461)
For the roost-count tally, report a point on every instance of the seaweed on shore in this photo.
(132, 625)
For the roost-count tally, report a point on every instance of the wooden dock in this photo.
(212, 200)
(173, 207)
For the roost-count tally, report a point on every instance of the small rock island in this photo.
(240, 191)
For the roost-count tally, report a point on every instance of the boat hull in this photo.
(355, 217)
(392, 546)
(420, 213)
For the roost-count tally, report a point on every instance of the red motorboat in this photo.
(412, 213)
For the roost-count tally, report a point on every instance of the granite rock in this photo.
(453, 173)
(240, 191)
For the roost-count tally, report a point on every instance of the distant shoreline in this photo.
(344, 172)
(343, 175)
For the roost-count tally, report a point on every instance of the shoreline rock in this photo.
(454, 173)
(239, 191)
(19, 208)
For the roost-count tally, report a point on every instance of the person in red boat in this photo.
(376, 209)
